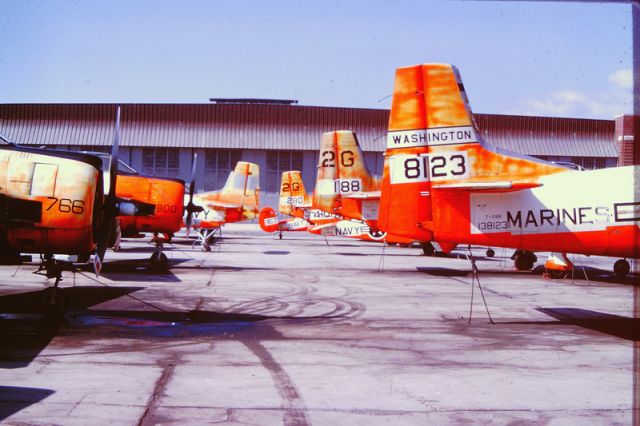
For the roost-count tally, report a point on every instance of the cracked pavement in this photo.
(301, 331)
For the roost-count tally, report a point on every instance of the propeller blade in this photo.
(192, 187)
(109, 210)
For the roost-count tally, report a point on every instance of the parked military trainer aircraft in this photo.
(55, 203)
(443, 182)
(159, 202)
(238, 200)
(346, 187)
(299, 213)
(293, 204)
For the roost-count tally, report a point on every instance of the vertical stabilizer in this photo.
(434, 143)
(293, 196)
(343, 177)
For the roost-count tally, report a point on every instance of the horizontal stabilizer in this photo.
(494, 186)
(369, 195)
(217, 205)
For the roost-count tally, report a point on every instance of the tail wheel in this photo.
(490, 253)
(621, 268)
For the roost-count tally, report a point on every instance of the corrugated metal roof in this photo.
(278, 127)
(550, 135)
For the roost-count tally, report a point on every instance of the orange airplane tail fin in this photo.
(433, 144)
(324, 197)
(343, 176)
(245, 180)
(268, 220)
(293, 196)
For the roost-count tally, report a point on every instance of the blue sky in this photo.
(531, 58)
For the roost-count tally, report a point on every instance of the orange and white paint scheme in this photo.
(238, 200)
(292, 204)
(443, 182)
(300, 214)
(51, 201)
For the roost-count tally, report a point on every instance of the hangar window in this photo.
(161, 162)
(278, 162)
(218, 163)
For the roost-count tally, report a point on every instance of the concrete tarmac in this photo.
(303, 331)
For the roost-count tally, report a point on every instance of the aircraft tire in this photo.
(621, 268)
(427, 249)
(159, 261)
(523, 262)
(52, 304)
(490, 253)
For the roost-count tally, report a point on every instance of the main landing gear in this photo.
(524, 260)
(427, 248)
(52, 304)
(621, 268)
(206, 238)
(158, 259)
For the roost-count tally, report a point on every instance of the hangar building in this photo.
(160, 139)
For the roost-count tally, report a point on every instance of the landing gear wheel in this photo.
(427, 249)
(206, 248)
(159, 261)
(523, 262)
(280, 235)
(621, 268)
(52, 304)
(490, 253)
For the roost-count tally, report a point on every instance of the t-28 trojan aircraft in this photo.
(300, 214)
(443, 182)
(238, 200)
(55, 203)
(159, 202)
(294, 203)
(345, 186)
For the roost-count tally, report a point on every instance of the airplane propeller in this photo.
(109, 211)
(191, 208)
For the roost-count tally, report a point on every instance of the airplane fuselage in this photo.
(61, 187)
(588, 212)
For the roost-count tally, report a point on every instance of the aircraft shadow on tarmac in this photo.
(442, 272)
(24, 333)
(614, 325)
(277, 252)
(14, 399)
(592, 274)
(139, 270)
